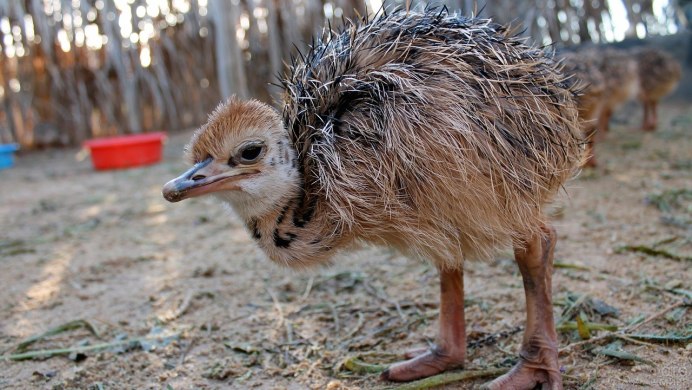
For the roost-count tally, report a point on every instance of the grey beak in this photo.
(176, 189)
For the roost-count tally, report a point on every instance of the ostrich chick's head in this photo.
(241, 155)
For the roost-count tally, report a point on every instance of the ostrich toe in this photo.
(537, 366)
(450, 350)
(432, 362)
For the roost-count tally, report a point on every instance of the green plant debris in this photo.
(663, 339)
(245, 376)
(369, 362)
(450, 377)
(590, 383)
(631, 145)
(636, 320)
(614, 350)
(602, 308)
(82, 228)
(96, 386)
(678, 221)
(686, 293)
(671, 287)
(676, 206)
(572, 303)
(682, 164)
(243, 348)
(145, 343)
(14, 247)
(576, 303)
(72, 325)
(675, 283)
(653, 251)
(18, 251)
(559, 264)
(345, 281)
(668, 201)
(355, 365)
(676, 315)
(591, 326)
(49, 353)
(157, 337)
(221, 370)
(582, 329)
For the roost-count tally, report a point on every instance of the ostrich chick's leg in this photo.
(650, 115)
(654, 115)
(646, 120)
(538, 356)
(450, 349)
(604, 120)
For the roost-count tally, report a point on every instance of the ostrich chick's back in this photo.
(659, 73)
(621, 78)
(435, 133)
(585, 68)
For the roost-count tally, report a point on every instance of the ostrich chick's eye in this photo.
(250, 154)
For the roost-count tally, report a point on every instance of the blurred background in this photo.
(76, 69)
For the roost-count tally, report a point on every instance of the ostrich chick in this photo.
(659, 74)
(622, 82)
(584, 68)
(438, 135)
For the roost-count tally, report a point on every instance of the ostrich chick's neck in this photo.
(280, 217)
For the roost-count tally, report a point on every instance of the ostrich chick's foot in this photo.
(649, 127)
(424, 364)
(537, 366)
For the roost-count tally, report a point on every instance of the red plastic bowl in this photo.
(126, 151)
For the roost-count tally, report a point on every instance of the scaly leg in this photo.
(654, 115)
(538, 355)
(604, 120)
(450, 349)
(646, 120)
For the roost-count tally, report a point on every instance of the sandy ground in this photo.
(106, 248)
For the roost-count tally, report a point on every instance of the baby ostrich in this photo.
(622, 82)
(438, 135)
(584, 67)
(659, 74)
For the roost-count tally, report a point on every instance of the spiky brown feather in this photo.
(438, 134)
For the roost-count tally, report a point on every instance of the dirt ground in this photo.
(206, 310)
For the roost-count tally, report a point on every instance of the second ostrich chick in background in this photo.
(438, 135)
(584, 67)
(659, 74)
(619, 70)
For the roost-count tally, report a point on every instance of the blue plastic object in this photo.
(7, 155)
